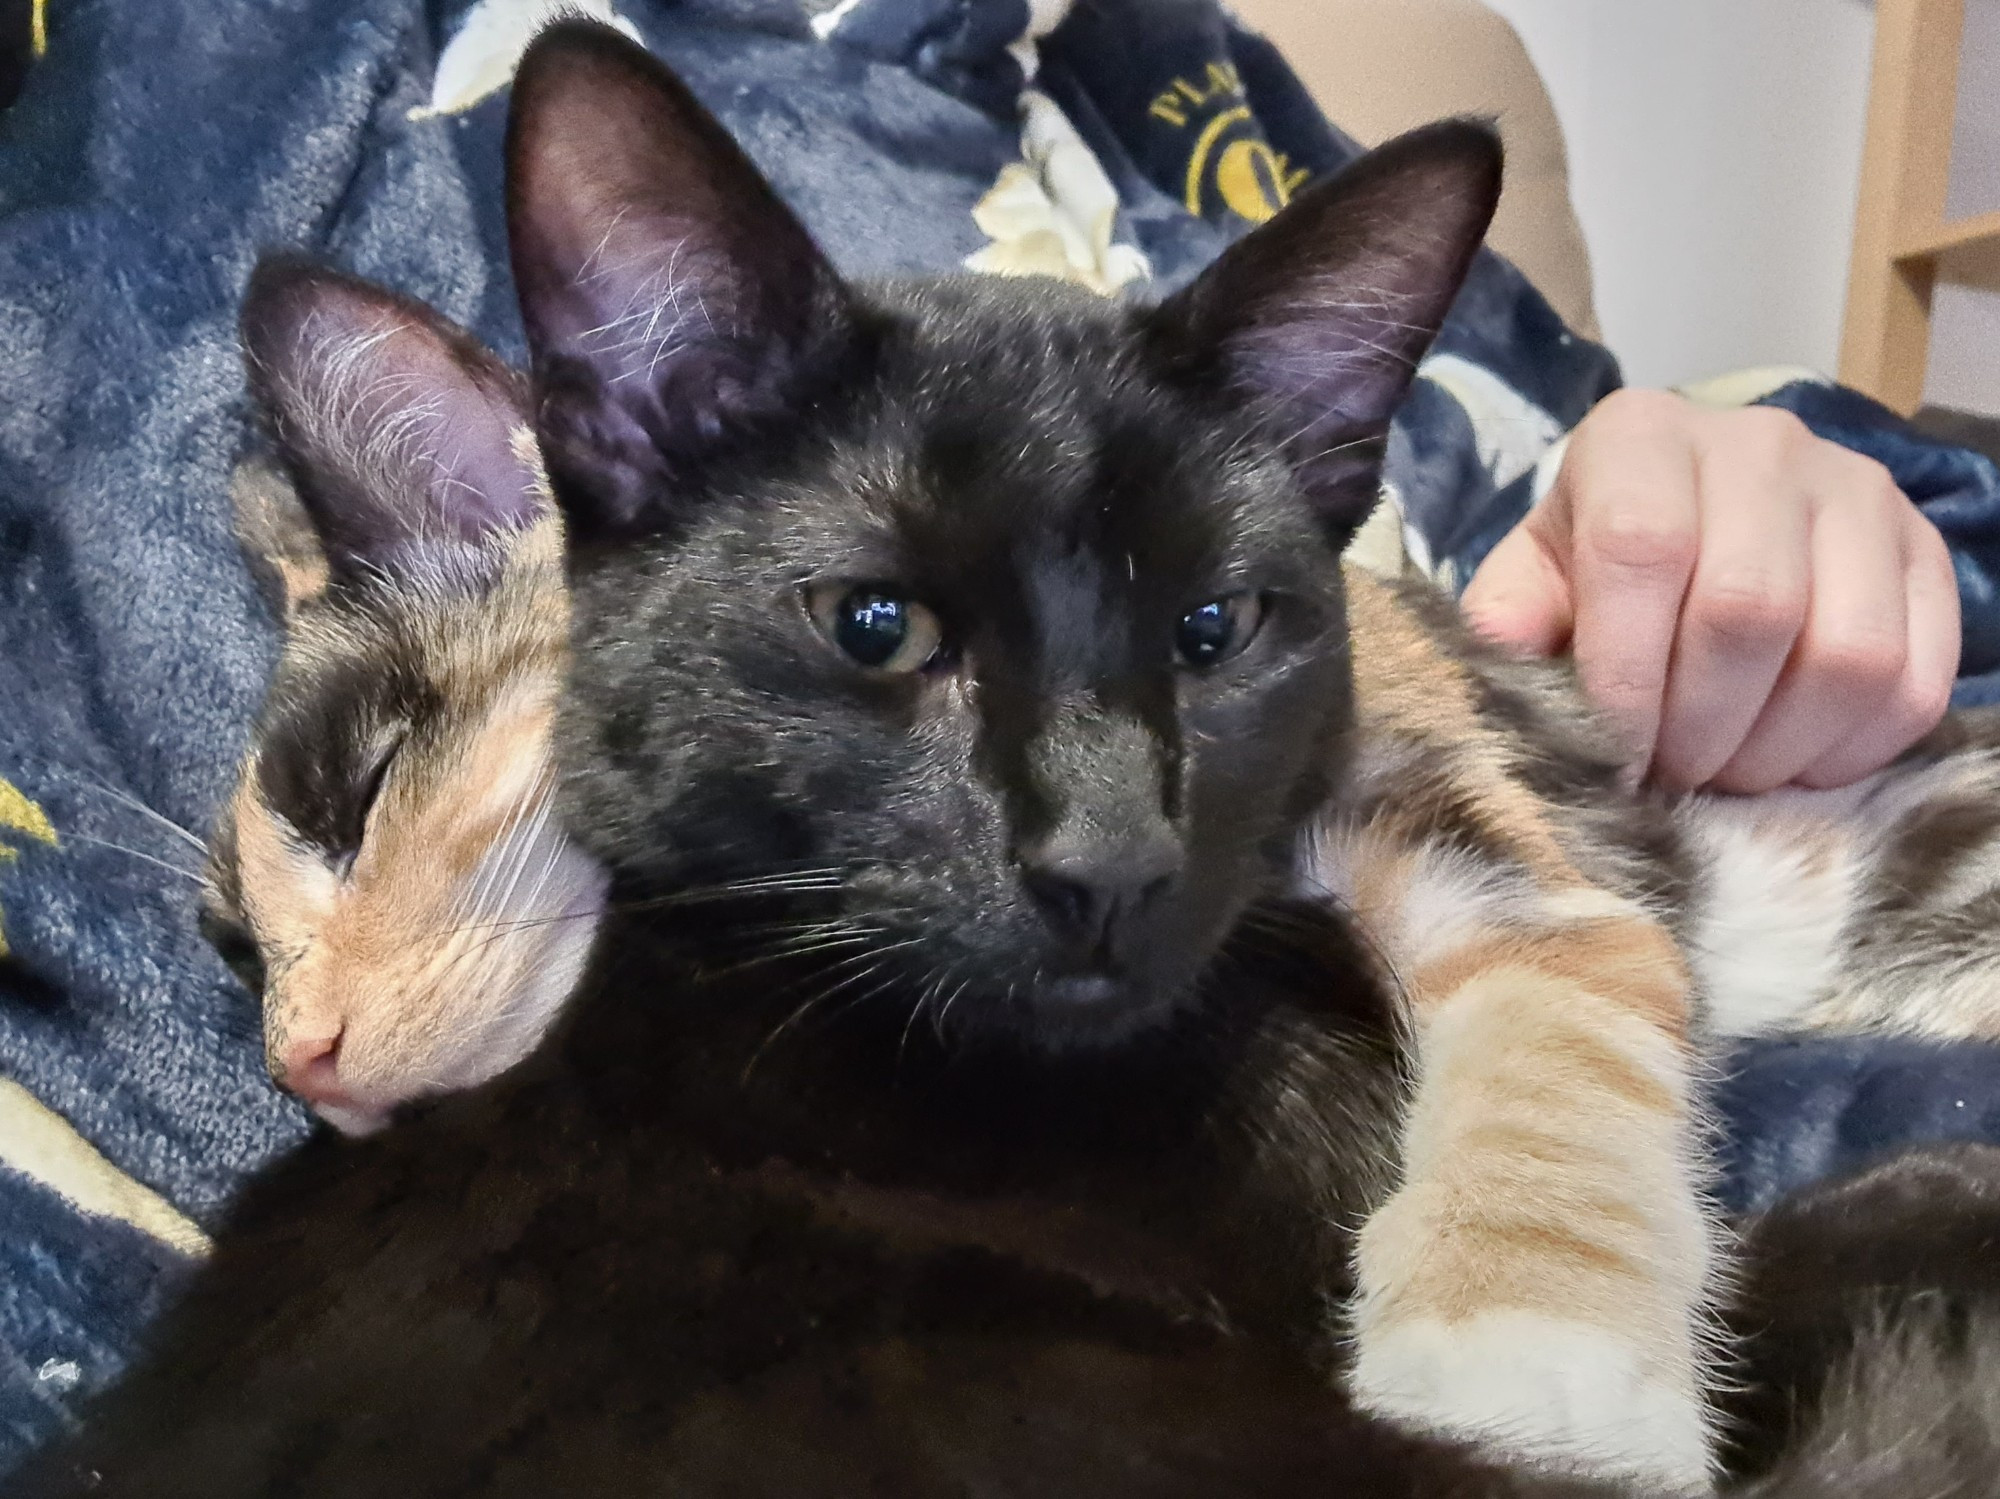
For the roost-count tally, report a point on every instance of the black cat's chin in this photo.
(1095, 1011)
(1083, 991)
(1062, 1003)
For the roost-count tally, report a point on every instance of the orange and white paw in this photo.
(1526, 1385)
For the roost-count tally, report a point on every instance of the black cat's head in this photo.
(996, 626)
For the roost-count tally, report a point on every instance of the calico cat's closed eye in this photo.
(1221, 628)
(875, 627)
(371, 792)
(378, 776)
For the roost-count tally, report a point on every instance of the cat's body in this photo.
(967, 697)
(875, 1268)
(643, 1264)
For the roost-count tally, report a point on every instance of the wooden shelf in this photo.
(1980, 232)
(1913, 93)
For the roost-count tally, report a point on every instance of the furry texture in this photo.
(133, 650)
(1124, 544)
(1868, 1333)
(390, 867)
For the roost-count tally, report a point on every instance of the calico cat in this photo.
(419, 914)
(964, 711)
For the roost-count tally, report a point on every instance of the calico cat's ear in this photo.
(674, 307)
(277, 535)
(408, 442)
(1320, 316)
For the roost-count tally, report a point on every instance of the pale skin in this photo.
(1752, 605)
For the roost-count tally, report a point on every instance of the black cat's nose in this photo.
(1088, 894)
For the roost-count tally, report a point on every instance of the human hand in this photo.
(1751, 605)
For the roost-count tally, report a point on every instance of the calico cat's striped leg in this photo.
(1539, 1280)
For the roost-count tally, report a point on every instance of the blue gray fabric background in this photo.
(158, 147)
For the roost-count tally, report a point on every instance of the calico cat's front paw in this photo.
(1533, 1338)
(1531, 1386)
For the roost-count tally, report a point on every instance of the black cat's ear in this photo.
(408, 443)
(1318, 318)
(674, 307)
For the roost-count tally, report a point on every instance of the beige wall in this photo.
(1965, 334)
(1382, 66)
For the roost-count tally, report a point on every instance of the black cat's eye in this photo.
(877, 628)
(1219, 629)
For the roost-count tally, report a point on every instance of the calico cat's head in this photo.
(389, 873)
(1000, 623)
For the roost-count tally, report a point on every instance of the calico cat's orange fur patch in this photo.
(438, 955)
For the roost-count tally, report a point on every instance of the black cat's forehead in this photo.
(1024, 420)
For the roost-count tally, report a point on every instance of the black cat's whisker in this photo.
(732, 890)
(825, 947)
(800, 928)
(830, 874)
(881, 956)
(815, 876)
(782, 953)
(930, 989)
(933, 996)
(937, 1020)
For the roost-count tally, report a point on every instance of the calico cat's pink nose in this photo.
(309, 1067)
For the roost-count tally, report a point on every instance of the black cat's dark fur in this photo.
(922, 1128)
(1869, 1328)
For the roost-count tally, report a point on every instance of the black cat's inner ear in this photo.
(1318, 318)
(674, 307)
(408, 443)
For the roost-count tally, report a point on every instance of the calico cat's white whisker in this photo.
(501, 862)
(504, 926)
(783, 884)
(160, 819)
(192, 876)
(526, 844)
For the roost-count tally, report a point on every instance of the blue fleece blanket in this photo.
(158, 147)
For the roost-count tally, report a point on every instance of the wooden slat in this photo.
(1885, 340)
(1974, 233)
